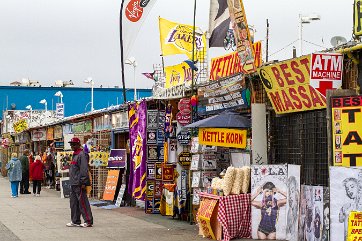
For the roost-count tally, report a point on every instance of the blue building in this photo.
(76, 100)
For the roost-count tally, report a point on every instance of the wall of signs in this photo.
(347, 130)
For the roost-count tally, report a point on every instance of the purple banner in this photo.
(137, 113)
(117, 158)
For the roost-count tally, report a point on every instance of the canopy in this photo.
(225, 119)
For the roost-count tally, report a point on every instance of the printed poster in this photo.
(311, 213)
(293, 186)
(242, 34)
(269, 201)
(345, 190)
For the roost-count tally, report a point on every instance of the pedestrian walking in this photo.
(14, 173)
(37, 173)
(50, 171)
(24, 184)
(79, 180)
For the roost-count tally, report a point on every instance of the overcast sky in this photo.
(75, 39)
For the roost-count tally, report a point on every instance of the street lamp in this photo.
(132, 61)
(31, 113)
(303, 20)
(90, 81)
(44, 102)
(59, 94)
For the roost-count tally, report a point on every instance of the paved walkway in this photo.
(31, 218)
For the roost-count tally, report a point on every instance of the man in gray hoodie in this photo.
(78, 180)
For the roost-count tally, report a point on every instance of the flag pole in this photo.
(193, 47)
(121, 45)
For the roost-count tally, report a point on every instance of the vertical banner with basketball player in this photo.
(242, 34)
(137, 113)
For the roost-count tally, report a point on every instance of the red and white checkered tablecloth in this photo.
(234, 214)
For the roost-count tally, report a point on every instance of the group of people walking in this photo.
(19, 172)
(21, 169)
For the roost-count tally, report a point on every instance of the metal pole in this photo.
(267, 40)
(134, 81)
(193, 47)
(92, 84)
(121, 45)
(300, 35)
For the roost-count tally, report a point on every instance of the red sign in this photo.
(185, 105)
(134, 11)
(326, 71)
(183, 118)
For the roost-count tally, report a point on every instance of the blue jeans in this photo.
(15, 188)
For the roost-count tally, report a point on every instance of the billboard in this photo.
(288, 86)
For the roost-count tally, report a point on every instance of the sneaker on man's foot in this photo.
(38, 195)
(86, 225)
(72, 225)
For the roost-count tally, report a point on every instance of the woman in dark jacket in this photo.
(37, 169)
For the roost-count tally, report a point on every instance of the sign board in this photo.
(355, 226)
(347, 130)
(38, 135)
(184, 137)
(117, 158)
(184, 158)
(59, 110)
(326, 71)
(223, 94)
(120, 195)
(111, 185)
(287, 85)
(222, 137)
(183, 118)
(64, 187)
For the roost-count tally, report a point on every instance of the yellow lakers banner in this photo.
(288, 87)
(347, 130)
(178, 75)
(222, 137)
(230, 64)
(178, 39)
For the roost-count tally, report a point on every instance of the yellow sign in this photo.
(222, 137)
(230, 64)
(178, 75)
(205, 214)
(288, 87)
(357, 18)
(355, 226)
(178, 39)
(347, 130)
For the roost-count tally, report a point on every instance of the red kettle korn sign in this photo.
(326, 71)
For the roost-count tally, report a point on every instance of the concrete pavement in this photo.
(31, 218)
